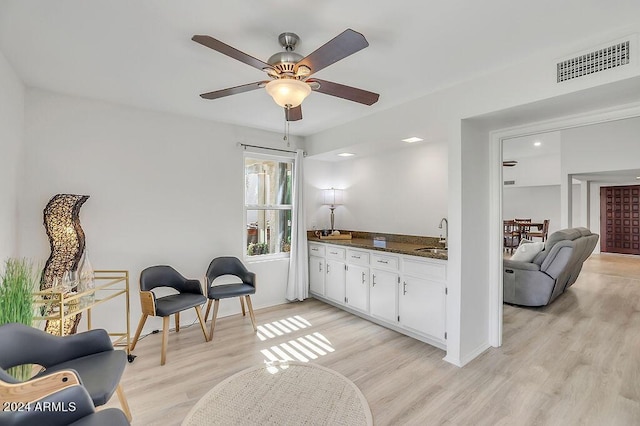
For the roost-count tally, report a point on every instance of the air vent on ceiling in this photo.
(509, 182)
(599, 60)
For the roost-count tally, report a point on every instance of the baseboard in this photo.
(466, 359)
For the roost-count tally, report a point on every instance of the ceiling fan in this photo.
(290, 74)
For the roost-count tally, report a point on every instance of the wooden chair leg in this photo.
(202, 326)
(123, 402)
(253, 318)
(206, 314)
(165, 337)
(242, 306)
(143, 319)
(213, 320)
(177, 316)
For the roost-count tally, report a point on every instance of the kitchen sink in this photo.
(433, 250)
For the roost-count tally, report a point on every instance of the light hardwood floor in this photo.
(576, 362)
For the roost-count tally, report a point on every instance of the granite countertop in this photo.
(395, 243)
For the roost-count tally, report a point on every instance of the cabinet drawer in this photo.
(335, 252)
(316, 249)
(386, 262)
(356, 257)
(425, 269)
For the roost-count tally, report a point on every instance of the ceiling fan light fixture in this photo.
(288, 92)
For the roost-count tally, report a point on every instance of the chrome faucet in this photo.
(446, 232)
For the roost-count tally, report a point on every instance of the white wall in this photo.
(11, 134)
(164, 189)
(540, 170)
(539, 203)
(403, 191)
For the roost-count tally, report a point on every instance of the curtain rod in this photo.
(304, 154)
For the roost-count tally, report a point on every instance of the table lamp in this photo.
(333, 198)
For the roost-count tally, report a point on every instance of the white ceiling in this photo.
(140, 52)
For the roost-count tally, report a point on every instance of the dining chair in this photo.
(541, 233)
(244, 286)
(525, 227)
(183, 294)
(86, 358)
(511, 235)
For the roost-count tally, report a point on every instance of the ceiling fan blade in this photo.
(233, 90)
(344, 44)
(345, 92)
(232, 52)
(293, 114)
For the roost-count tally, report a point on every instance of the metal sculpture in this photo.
(67, 241)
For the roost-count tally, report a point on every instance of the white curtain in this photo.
(298, 281)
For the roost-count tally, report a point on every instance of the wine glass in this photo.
(69, 280)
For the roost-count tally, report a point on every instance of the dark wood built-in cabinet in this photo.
(620, 219)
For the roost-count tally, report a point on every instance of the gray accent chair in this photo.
(188, 294)
(246, 285)
(552, 271)
(73, 406)
(86, 358)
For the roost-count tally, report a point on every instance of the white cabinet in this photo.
(335, 280)
(421, 297)
(357, 282)
(317, 268)
(421, 306)
(336, 274)
(357, 287)
(316, 274)
(383, 294)
(402, 292)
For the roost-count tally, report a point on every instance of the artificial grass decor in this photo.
(19, 281)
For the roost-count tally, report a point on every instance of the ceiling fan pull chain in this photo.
(285, 125)
(287, 137)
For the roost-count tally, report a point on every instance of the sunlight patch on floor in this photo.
(282, 327)
(301, 349)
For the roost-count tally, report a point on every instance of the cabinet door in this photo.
(357, 287)
(383, 294)
(316, 275)
(421, 305)
(335, 280)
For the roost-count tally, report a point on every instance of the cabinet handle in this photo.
(404, 287)
(333, 252)
(327, 268)
(383, 261)
(319, 267)
(373, 280)
(363, 278)
(355, 257)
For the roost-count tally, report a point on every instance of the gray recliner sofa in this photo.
(552, 271)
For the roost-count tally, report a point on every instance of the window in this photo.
(267, 204)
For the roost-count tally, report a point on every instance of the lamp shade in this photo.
(333, 197)
(288, 92)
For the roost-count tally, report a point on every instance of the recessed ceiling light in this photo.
(412, 140)
(346, 154)
(537, 143)
(638, 177)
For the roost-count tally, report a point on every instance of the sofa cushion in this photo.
(527, 251)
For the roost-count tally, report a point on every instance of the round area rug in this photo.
(290, 393)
